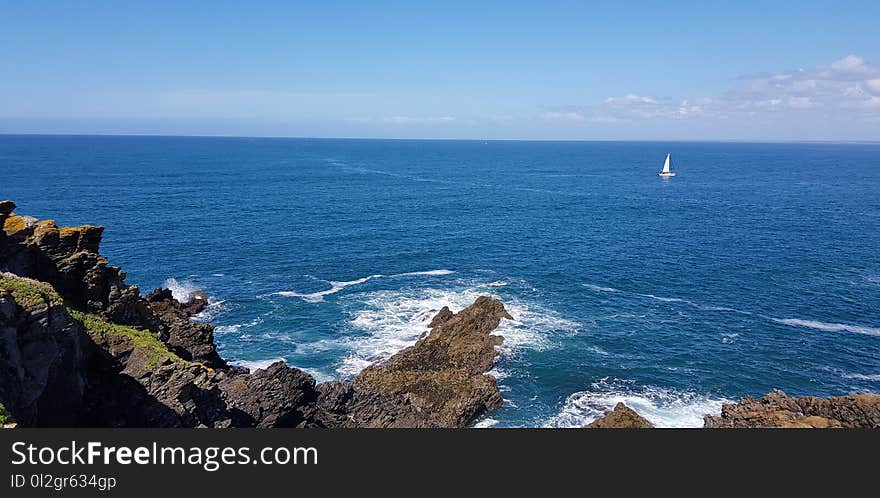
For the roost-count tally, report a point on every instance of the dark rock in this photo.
(192, 341)
(273, 397)
(622, 417)
(42, 377)
(779, 410)
(196, 303)
(6, 208)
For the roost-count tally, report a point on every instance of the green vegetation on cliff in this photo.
(100, 330)
(27, 292)
(5, 416)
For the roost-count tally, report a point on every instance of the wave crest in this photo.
(662, 407)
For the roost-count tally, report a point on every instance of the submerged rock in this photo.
(622, 417)
(779, 410)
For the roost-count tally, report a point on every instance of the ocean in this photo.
(756, 267)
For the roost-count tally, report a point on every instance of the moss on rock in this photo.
(5, 416)
(27, 292)
(99, 329)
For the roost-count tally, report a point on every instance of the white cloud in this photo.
(630, 98)
(405, 120)
(847, 87)
(564, 116)
(851, 64)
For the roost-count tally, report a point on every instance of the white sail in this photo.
(666, 164)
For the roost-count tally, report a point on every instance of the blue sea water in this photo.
(757, 267)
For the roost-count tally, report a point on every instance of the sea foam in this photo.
(253, 365)
(180, 289)
(662, 407)
(336, 286)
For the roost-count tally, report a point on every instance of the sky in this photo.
(652, 70)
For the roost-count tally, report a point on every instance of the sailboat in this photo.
(666, 172)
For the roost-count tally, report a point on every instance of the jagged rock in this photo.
(107, 356)
(192, 341)
(42, 377)
(67, 258)
(196, 303)
(443, 316)
(779, 410)
(443, 374)
(622, 417)
(272, 397)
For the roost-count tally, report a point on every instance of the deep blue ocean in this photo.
(757, 267)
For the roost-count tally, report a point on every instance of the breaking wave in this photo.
(662, 407)
(256, 364)
(180, 289)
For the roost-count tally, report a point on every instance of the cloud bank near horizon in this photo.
(838, 101)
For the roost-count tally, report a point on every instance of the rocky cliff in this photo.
(80, 347)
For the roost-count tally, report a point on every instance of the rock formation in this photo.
(622, 417)
(80, 347)
(777, 409)
(440, 381)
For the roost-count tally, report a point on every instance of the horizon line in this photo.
(435, 139)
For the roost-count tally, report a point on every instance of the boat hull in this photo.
(666, 174)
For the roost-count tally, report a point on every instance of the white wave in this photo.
(211, 311)
(351, 365)
(666, 299)
(336, 286)
(498, 373)
(497, 283)
(253, 365)
(226, 329)
(485, 423)
(828, 327)
(316, 297)
(662, 407)
(180, 289)
(856, 376)
(599, 288)
(429, 272)
(729, 338)
(394, 320)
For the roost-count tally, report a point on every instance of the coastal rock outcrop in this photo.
(622, 417)
(80, 347)
(443, 374)
(779, 410)
(193, 341)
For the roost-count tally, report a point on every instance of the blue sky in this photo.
(746, 70)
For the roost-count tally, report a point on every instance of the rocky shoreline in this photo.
(79, 347)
